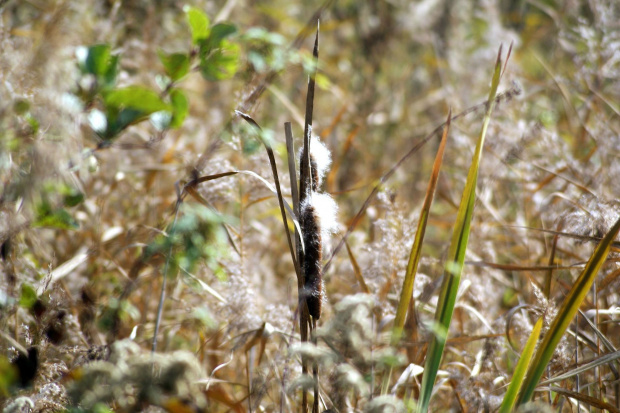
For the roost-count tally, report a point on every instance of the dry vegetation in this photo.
(90, 219)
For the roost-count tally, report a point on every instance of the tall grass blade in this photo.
(584, 398)
(565, 315)
(456, 256)
(549, 275)
(510, 398)
(416, 248)
(608, 358)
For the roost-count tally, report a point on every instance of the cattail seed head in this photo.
(317, 221)
(313, 287)
(320, 160)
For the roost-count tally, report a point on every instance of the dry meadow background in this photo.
(85, 213)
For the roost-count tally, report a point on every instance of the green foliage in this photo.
(218, 59)
(453, 266)
(180, 107)
(128, 106)
(566, 314)
(510, 397)
(70, 196)
(141, 99)
(198, 24)
(28, 296)
(8, 376)
(58, 217)
(266, 50)
(176, 65)
(220, 62)
(97, 60)
(196, 237)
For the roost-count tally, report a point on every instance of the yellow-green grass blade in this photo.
(456, 256)
(416, 248)
(565, 315)
(510, 398)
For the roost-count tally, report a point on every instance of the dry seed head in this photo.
(317, 220)
(320, 160)
(312, 266)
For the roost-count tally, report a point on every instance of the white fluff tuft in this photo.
(321, 156)
(326, 211)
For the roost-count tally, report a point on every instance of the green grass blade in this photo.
(565, 315)
(510, 398)
(416, 248)
(456, 256)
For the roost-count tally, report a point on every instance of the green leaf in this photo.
(180, 107)
(137, 98)
(565, 315)
(28, 296)
(21, 106)
(98, 60)
(71, 196)
(33, 123)
(172, 119)
(198, 23)
(8, 376)
(109, 76)
(221, 63)
(176, 65)
(524, 361)
(456, 254)
(129, 105)
(197, 236)
(220, 32)
(54, 218)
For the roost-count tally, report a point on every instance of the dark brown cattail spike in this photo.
(312, 268)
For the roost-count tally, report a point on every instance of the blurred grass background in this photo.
(388, 73)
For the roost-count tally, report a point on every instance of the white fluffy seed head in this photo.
(320, 155)
(326, 210)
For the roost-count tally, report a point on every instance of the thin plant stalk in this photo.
(162, 295)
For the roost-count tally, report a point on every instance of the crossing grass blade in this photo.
(416, 248)
(510, 397)
(565, 315)
(456, 256)
(274, 170)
